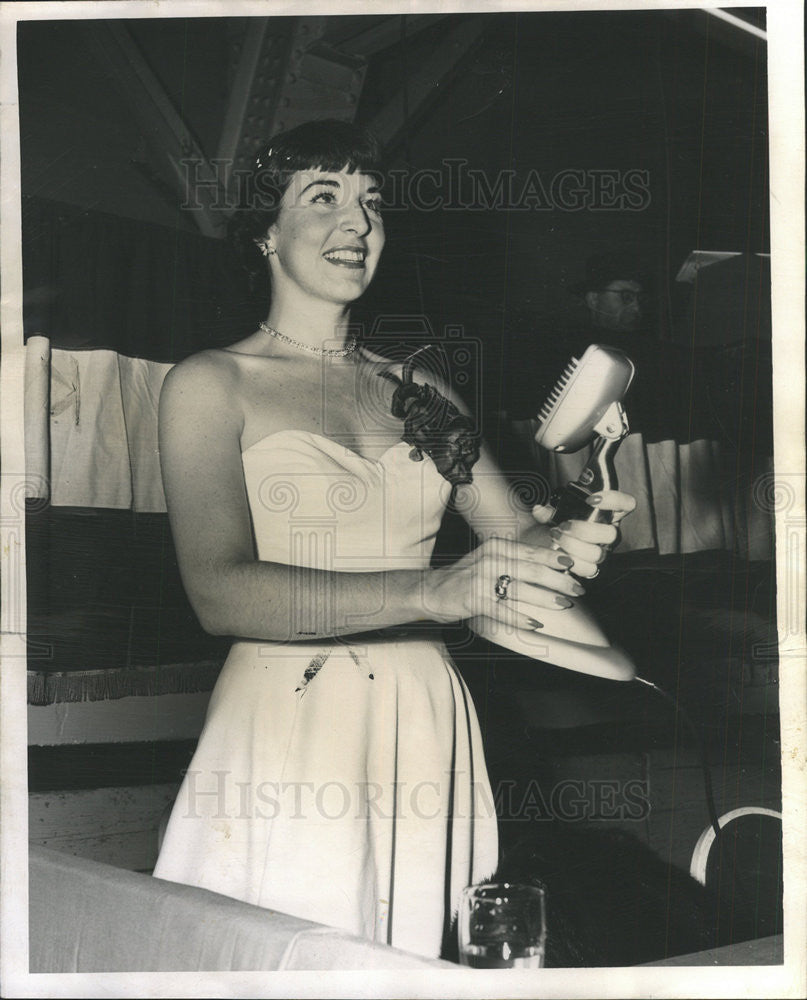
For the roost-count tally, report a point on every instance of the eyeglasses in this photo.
(627, 295)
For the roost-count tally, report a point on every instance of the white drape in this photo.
(689, 499)
(91, 428)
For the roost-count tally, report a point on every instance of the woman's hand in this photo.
(589, 542)
(529, 578)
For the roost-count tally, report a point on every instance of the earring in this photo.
(266, 249)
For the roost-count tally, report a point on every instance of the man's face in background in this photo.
(619, 306)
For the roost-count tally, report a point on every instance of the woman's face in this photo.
(328, 235)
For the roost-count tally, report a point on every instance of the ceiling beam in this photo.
(320, 81)
(380, 36)
(196, 182)
(242, 91)
(744, 38)
(424, 83)
(280, 81)
(736, 22)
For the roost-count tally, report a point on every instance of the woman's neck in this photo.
(318, 324)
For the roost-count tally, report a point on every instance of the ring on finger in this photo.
(501, 585)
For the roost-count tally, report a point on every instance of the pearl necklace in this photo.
(319, 351)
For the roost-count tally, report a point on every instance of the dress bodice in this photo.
(315, 502)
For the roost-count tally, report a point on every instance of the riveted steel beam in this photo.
(423, 84)
(196, 179)
(285, 74)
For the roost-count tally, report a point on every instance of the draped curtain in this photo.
(691, 496)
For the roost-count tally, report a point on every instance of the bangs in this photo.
(326, 145)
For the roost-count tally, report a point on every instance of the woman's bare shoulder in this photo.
(218, 373)
(206, 369)
(202, 392)
(231, 390)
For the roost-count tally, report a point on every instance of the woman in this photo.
(339, 776)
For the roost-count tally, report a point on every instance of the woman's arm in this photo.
(233, 593)
(494, 506)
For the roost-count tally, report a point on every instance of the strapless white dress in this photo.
(341, 781)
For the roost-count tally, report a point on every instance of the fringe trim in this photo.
(101, 685)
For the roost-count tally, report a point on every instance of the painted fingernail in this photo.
(565, 526)
(555, 533)
(577, 589)
(566, 560)
(593, 501)
(563, 602)
(534, 623)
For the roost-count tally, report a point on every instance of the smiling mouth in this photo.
(346, 257)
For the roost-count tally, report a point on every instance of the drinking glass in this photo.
(502, 926)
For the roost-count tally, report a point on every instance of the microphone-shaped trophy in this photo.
(584, 406)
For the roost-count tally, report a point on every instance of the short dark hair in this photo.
(326, 144)
(603, 268)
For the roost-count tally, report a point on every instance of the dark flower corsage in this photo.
(434, 425)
